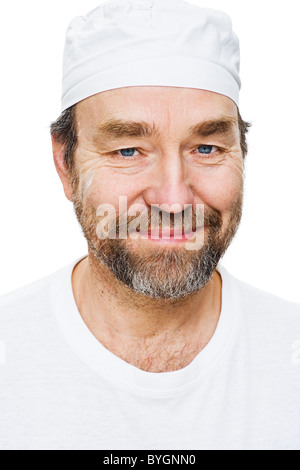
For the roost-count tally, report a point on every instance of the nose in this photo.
(170, 185)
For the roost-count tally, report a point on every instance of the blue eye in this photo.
(127, 152)
(206, 149)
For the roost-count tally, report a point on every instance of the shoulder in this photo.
(20, 307)
(269, 320)
(32, 300)
(24, 293)
(255, 301)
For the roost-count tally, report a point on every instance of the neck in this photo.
(156, 335)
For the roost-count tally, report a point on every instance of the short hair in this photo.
(63, 131)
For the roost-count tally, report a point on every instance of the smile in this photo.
(169, 235)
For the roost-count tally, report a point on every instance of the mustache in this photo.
(155, 218)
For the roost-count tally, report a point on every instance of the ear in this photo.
(58, 150)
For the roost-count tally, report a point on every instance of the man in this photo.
(148, 342)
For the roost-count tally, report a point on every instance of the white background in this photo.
(39, 231)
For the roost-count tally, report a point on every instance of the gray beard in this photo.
(162, 273)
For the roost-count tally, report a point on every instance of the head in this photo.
(185, 147)
(150, 115)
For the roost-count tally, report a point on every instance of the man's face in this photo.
(155, 146)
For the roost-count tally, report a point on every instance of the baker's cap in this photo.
(125, 43)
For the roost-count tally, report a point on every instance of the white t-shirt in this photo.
(61, 389)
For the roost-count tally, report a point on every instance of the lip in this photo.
(169, 235)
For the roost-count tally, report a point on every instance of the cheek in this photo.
(107, 188)
(219, 188)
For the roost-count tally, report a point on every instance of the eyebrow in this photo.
(118, 128)
(222, 125)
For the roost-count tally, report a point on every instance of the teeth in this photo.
(170, 233)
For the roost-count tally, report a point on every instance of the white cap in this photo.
(125, 43)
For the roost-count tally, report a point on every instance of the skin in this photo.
(156, 335)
